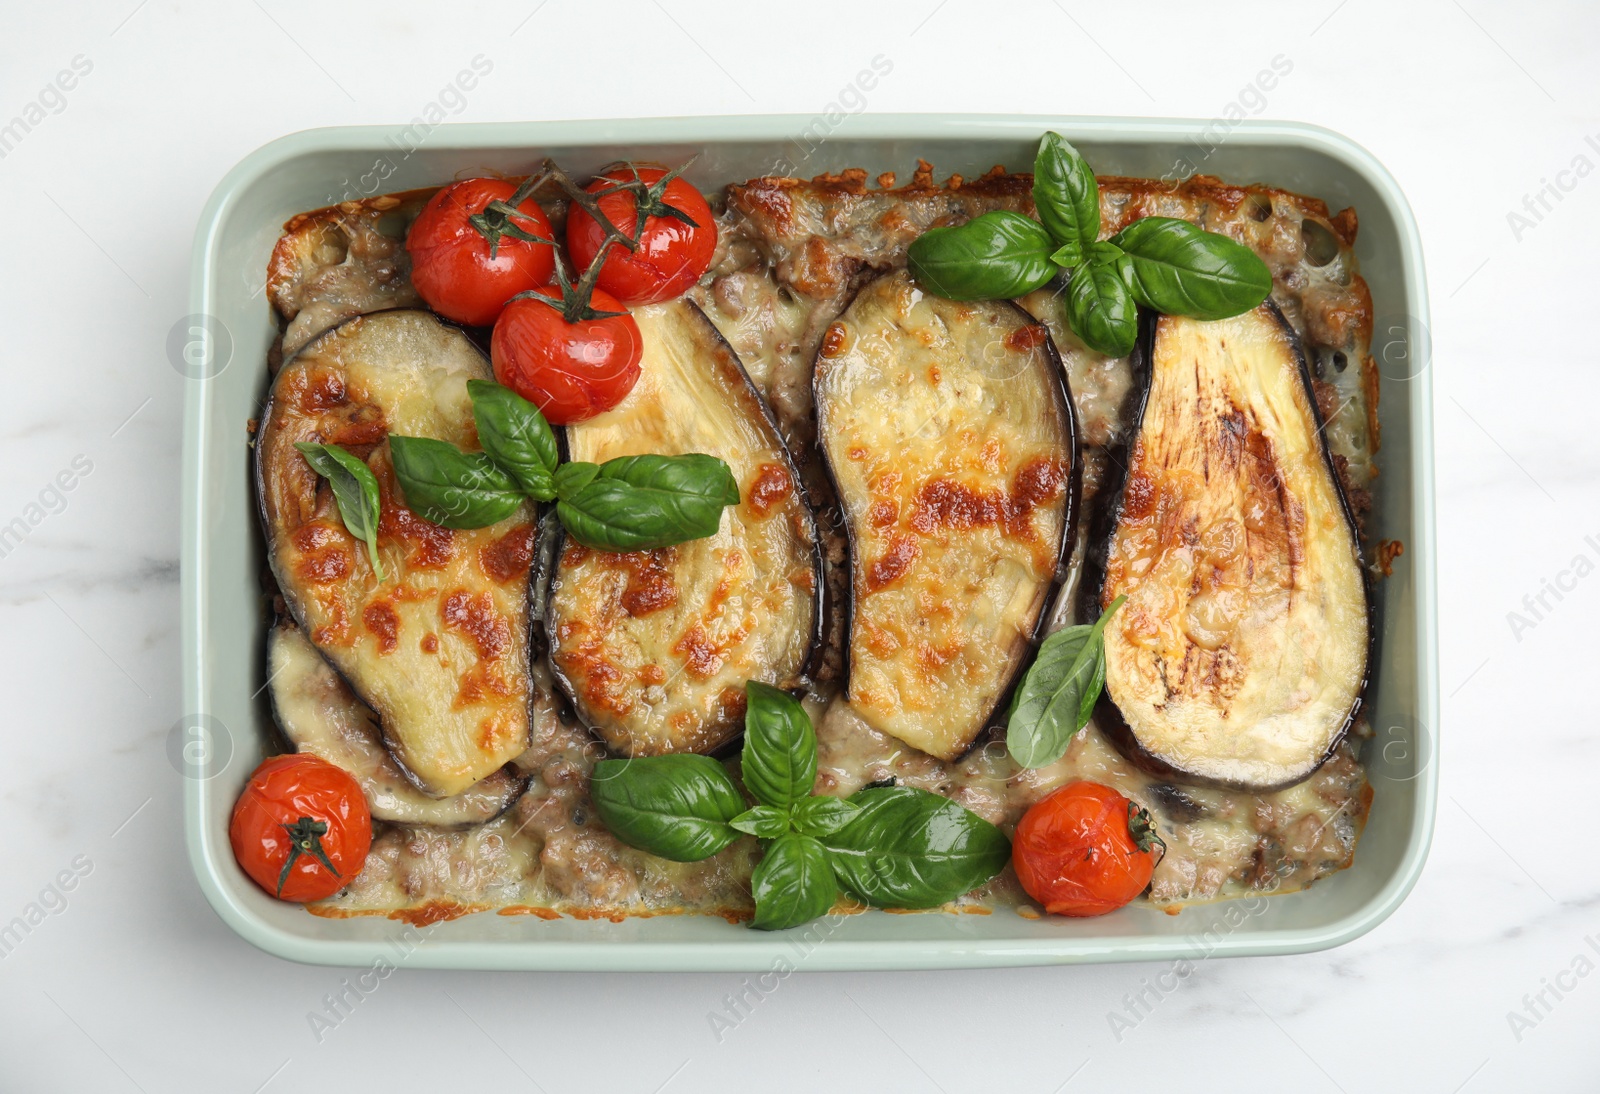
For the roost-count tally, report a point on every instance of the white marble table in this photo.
(131, 983)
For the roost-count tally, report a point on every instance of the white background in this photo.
(136, 985)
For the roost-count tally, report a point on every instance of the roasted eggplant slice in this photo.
(951, 442)
(319, 714)
(440, 649)
(654, 647)
(1240, 656)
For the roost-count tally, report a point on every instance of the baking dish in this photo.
(221, 347)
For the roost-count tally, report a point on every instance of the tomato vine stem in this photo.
(574, 301)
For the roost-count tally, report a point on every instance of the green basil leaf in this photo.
(764, 821)
(1065, 194)
(355, 488)
(1067, 255)
(1064, 665)
(793, 883)
(821, 815)
(676, 807)
(779, 762)
(1104, 251)
(452, 488)
(907, 848)
(1058, 694)
(1092, 690)
(997, 256)
(1100, 309)
(639, 503)
(516, 436)
(569, 478)
(1179, 269)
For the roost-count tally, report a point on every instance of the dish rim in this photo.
(207, 848)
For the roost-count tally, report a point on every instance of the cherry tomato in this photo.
(1085, 850)
(671, 255)
(570, 371)
(301, 829)
(450, 263)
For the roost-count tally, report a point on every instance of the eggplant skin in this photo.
(653, 648)
(439, 650)
(952, 445)
(318, 714)
(1240, 657)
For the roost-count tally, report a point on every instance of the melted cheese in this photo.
(951, 449)
(319, 714)
(439, 649)
(656, 646)
(1241, 651)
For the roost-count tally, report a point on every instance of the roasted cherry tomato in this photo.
(671, 254)
(1085, 850)
(301, 829)
(450, 261)
(570, 371)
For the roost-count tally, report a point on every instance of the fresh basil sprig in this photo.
(779, 763)
(1100, 309)
(1163, 263)
(632, 503)
(898, 847)
(907, 848)
(355, 488)
(516, 436)
(449, 487)
(1057, 696)
(639, 503)
(821, 815)
(793, 883)
(676, 807)
(993, 257)
(1177, 269)
(762, 821)
(1066, 197)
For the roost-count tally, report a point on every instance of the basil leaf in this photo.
(1100, 309)
(1065, 194)
(997, 256)
(1067, 255)
(639, 503)
(765, 821)
(907, 848)
(1179, 269)
(452, 488)
(1057, 696)
(793, 883)
(569, 478)
(821, 815)
(779, 762)
(355, 488)
(675, 807)
(516, 436)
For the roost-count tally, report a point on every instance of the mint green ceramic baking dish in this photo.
(222, 348)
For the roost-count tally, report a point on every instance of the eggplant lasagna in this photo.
(927, 489)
